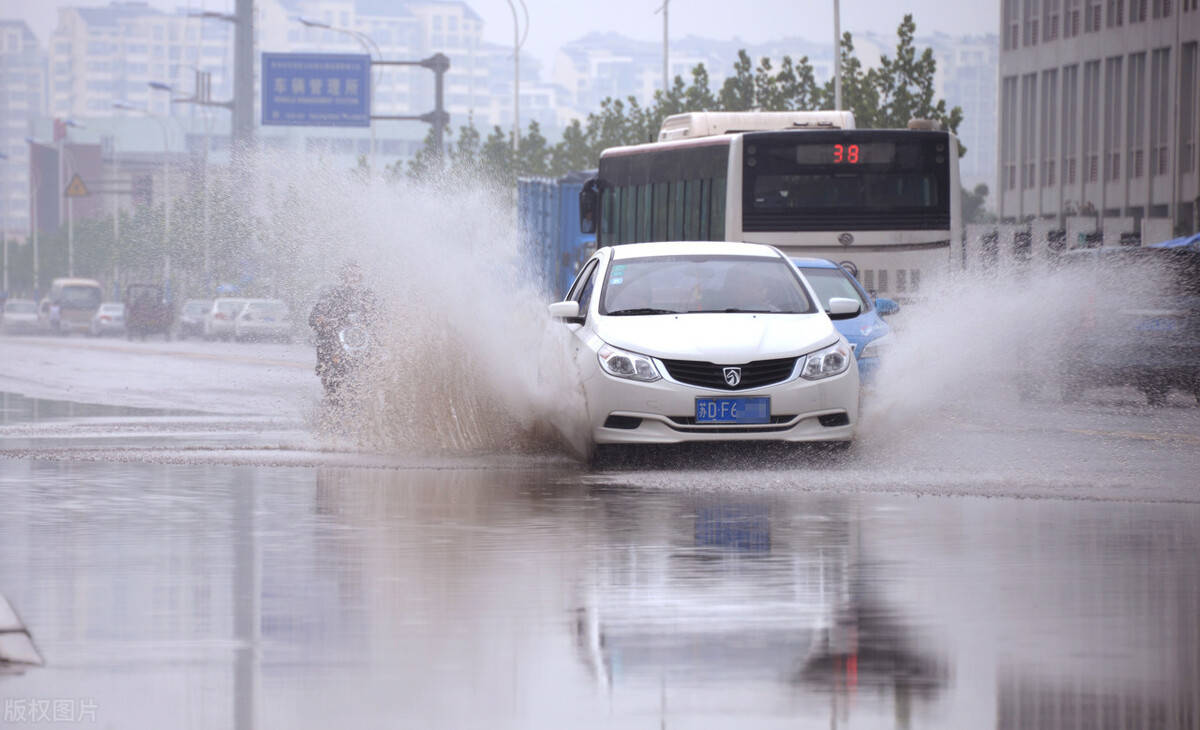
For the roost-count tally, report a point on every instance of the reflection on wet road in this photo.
(239, 596)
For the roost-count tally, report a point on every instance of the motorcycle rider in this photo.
(333, 312)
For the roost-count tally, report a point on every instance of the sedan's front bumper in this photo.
(624, 411)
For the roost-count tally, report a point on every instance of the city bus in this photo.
(884, 202)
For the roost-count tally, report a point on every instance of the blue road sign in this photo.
(316, 89)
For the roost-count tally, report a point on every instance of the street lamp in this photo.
(34, 183)
(162, 123)
(370, 46)
(4, 221)
(518, 41)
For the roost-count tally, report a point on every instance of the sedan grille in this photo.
(710, 375)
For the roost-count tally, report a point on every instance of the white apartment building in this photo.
(101, 55)
(22, 97)
(1099, 110)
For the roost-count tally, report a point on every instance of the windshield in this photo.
(830, 283)
(195, 308)
(685, 284)
(79, 297)
(20, 307)
(270, 309)
(230, 306)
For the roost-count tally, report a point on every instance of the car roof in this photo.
(810, 263)
(684, 248)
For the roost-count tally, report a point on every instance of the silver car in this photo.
(109, 319)
(263, 319)
(20, 315)
(219, 322)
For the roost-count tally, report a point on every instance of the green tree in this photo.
(533, 153)
(974, 205)
(573, 151)
(737, 93)
(905, 85)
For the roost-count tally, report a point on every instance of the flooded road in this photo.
(173, 575)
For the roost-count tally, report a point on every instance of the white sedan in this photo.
(708, 341)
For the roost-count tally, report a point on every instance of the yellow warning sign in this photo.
(76, 188)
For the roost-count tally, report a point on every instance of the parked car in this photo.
(109, 319)
(20, 316)
(70, 305)
(147, 311)
(263, 319)
(708, 341)
(191, 318)
(1140, 325)
(867, 332)
(219, 322)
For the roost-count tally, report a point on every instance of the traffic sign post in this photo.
(316, 89)
(75, 189)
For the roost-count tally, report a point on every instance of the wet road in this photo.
(993, 565)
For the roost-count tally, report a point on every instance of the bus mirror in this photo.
(589, 205)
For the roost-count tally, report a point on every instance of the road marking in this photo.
(172, 353)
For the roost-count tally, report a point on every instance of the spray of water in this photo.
(980, 340)
(468, 359)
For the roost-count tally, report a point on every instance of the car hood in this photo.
(862, 329)
(725, 338)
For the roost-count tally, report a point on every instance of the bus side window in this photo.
(608, 215)
(677, 212)
(705, 209)
(717, 222)
(645, 212)
(691, 221)
(662, 206)
(628, 214)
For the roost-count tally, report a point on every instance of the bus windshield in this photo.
(863, 180)
(80, 297)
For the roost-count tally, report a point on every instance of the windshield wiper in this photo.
(640, 310)
(735, 310)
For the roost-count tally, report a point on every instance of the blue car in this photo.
(867, 331)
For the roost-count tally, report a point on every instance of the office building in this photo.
(1098, 118)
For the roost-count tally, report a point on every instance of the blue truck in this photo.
(548, 216)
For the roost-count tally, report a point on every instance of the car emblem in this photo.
(733, 376)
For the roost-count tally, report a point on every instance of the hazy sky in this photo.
(553, 22)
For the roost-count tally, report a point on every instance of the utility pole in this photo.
(666, 50)
(518, 41)
(243, 74)
(837, 57)
(4, 220)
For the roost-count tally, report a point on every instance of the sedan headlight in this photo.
(628, 365)
(832, 360)
(878, 346)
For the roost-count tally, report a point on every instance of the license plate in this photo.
(733, 410)
(1158, 324)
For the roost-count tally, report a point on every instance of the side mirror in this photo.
(843, 308)
(589, 206)
(567, 310)
(886, 307)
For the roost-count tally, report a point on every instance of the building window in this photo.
(1116, 14)
(883, 280)
(1137, 11)
(1030, 37)
(1160, 96)
(1112, 118)
(1071, 18)
(1050, 15)
(1008, 133)
(1135, 120)
(1091, 120)
(1028, 136)
(914, 280)
(1187, 106)
(1070, 140)
(1011, 24)
(1162, 9)
(1091, 16)
(1049, 127)
(901, 280)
